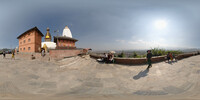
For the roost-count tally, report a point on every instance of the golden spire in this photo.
(48, 35)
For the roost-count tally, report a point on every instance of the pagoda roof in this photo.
(34, 28)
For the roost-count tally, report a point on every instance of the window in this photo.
(29, 48)
(20, 42)
(29, 40)
(20, 49)
(24, 48)
(24, 41)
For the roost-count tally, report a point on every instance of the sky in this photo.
(106, 24)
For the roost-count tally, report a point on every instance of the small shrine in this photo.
(65, 41)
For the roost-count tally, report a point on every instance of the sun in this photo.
(160, 24)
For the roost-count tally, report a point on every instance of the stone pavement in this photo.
(80, 77)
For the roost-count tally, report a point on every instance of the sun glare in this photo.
(160, 24)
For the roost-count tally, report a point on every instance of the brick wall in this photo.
(62, 53)
(27, 55)
(138, 61)
(66, 43)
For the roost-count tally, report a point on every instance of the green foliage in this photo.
(144, 56)
(175, 52)
(134, 55)
(160, 52)
(154, 51)
(122, 55)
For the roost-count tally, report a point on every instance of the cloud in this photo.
(120, 41)
(142, 44)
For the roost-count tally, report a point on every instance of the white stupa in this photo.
(67, 32)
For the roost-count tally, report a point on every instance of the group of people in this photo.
(108, 58)
(13, 54)
(170, 56)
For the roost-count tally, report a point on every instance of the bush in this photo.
(122, 55)
(160, 52)
(134, 55)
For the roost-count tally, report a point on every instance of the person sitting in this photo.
(105, 57)
(110, 58)
(32, 57)
(174, 57)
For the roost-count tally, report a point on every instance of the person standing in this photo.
(168, 56)
(171, 57)
(43, 53)
(13, 55)
(4, 54)
(149, 56)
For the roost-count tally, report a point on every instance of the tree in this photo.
(134, 55)
(121, 54)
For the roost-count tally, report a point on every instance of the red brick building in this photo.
(63, 42)
(30, 41)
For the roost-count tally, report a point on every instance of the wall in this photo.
(27, 55)
(38, 40)
(62, 53)
(66, 43)
(139, 61)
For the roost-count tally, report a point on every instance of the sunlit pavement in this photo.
(84, 78)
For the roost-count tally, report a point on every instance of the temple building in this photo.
(47, 41)
(30, 41)
(65, 41)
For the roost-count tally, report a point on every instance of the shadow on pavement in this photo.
(141, 74)
(171, 62)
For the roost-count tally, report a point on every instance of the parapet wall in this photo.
(29, 56)
(139, 61)
(54, 54)
(62, 53)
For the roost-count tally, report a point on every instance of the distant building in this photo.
(30, 41)
(65, 41)
(47, 41)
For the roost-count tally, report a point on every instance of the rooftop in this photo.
(34, 28)
(64, 38)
